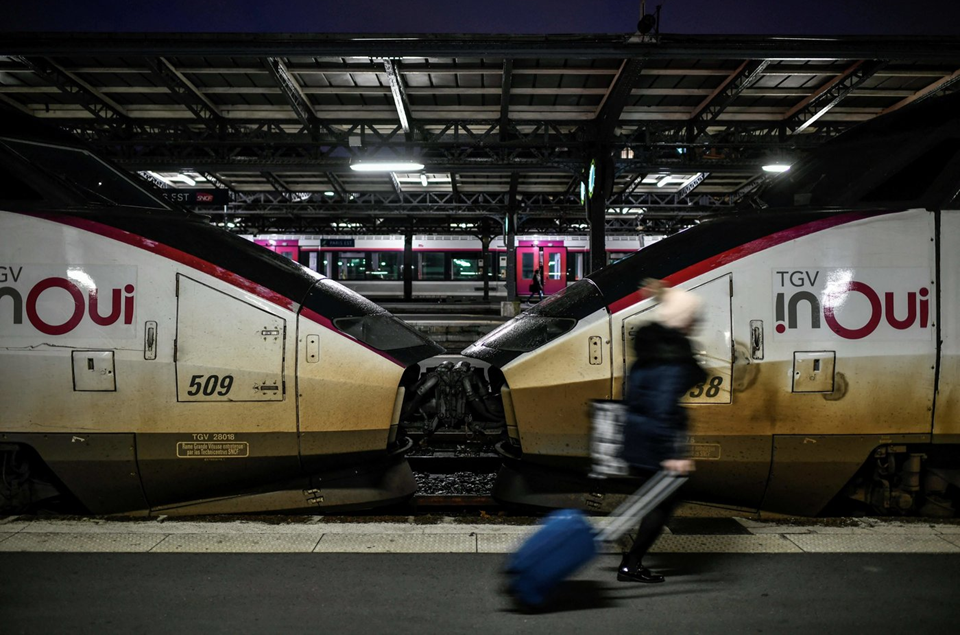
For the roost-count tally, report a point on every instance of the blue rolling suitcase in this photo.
(566, 541)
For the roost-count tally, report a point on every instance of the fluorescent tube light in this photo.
(776, 168)
(396, 166)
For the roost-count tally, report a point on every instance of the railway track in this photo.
(449, 463)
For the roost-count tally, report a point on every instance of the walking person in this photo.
(656, 426)
(536, 287)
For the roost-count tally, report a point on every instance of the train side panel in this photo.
(812, 389)
(849, 351)
(348, 395)
(551, 391)
(95, 380)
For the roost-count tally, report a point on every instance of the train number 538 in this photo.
(210, 384)
(711, 388)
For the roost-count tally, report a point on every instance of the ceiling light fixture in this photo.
(776, 168)
(423, 179)
(391, 166)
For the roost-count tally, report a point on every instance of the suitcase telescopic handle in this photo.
(639, 504)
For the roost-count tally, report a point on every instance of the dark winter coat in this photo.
(665, 369)
(537, 284)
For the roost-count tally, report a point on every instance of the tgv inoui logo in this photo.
(76, 300)
(883, 303)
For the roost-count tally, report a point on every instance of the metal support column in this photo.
(510, 227)
(597, 209)
(486, 264)
(408, 266)
(510, 231)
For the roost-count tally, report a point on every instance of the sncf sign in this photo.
(852, 304)
(76, 300)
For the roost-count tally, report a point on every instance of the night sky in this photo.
(756, 17)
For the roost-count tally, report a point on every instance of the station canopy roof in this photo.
(274, 124)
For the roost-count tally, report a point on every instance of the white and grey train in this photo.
(831, 339)
(151, 363)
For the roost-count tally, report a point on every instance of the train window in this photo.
(467, 266)
(363, 320)
(325, 264)
(352, 266)
(547, 320)
(526, 266)
(527, 333)
(96, 181)
(385, 265)
(382, 331)
(616, 256)
(574, 265)
(553, 266)
(431, 265)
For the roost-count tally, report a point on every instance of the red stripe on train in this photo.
(203, 266)
(747, 249)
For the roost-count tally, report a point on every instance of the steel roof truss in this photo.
(186, 93)
(291, 90)
(93, 101)
(400, 101)
(710, 108)
(808, 111)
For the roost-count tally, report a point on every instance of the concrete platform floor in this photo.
(306, 534)
(448, 593)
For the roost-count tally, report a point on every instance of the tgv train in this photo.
(831, 339)
(152, 363)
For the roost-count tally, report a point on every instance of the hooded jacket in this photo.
(656, 425)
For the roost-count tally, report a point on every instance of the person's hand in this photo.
(678, 466)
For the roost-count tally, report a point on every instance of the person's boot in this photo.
(631, 570)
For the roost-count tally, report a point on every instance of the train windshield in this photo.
(547, 321)
(369, 323)
(95, 181)
(383, 332)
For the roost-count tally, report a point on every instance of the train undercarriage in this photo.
(453, 409)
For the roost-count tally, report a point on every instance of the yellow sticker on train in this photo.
(213, 450)
(705, 451)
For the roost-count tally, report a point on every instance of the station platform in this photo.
(441, 534)
(443, 575)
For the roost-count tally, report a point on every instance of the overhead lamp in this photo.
(423, 179)
(776, 168)
(161, 178)
(387, 166)
(328, 193)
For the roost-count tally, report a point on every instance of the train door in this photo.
(946, 424)
(716, 439)
(528, 261)
(233, 423)
(555, 269)
(552, 262)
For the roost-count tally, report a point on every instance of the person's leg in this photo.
(631, 567)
